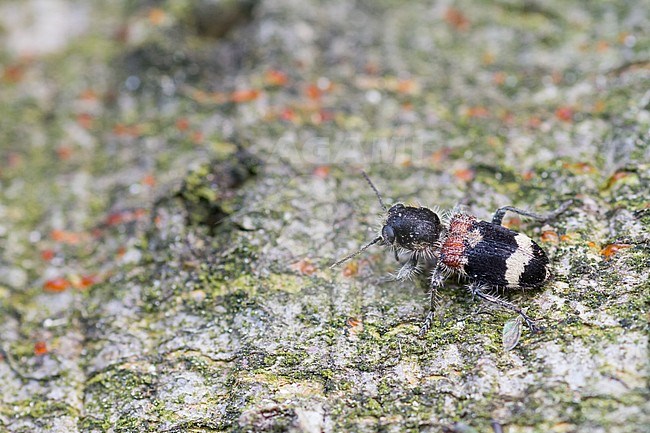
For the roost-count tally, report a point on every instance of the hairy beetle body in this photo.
(489, 255)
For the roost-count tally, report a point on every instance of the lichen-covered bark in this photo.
(170, 204)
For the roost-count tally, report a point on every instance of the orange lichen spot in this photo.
(550, 236)
(322, 171)
(593, 245)
(602, 46)
(148, 180)
(355, 326)
(455, 18)
(65, 237)
(304, 267)
(118, 218)
(47, 254)
(351, 269)
(585, 167)
(156, 16)
(40, 348)
(499, 78)
(288, 115)
(564, 113)
(528, 175)
(313, 92)
(568, 237)
(353, 321)
(440, 155)
(56, 285)
(464, 174)
(115, 218)
(477, 112)
(182, 124)
(622, 174)
(579, 167)
(609, 250)
(407, 87)
(244, 95)
(122, 130)
(120, 252)
(275, 78)
(13, 73)
(64, 152)
(88, 281)
(88, 95)
(85, 120)
(125, 216)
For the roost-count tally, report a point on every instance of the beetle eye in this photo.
(388, 234)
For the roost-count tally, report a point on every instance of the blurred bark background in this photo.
(176, 178)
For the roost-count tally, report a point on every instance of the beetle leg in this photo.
(501, 212)
(437, 278)
(477, 290)
(409, 268)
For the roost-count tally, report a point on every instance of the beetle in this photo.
(490, 256)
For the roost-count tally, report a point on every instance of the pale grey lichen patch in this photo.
(604, 376)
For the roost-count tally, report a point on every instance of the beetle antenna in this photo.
(365, 247)
(372, 185)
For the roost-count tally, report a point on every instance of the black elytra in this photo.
(536, 270)
(487, 261)
(500, 260)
